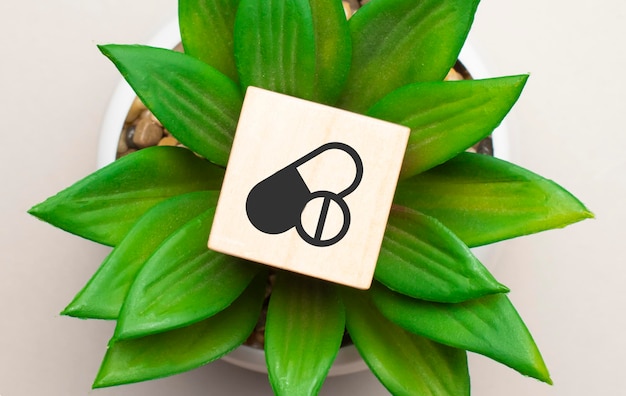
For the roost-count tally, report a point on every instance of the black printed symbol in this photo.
(276, 204)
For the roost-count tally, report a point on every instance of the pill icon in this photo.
(276, 204)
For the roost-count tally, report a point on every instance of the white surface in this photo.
(567, 284)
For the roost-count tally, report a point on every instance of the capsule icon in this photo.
(276, 204)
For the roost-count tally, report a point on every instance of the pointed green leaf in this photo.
(180, 350)
(399, 42)
(488, 325)
(333, 47)
(183, 282)
(405, 363)
(447, 117)
(275, 46)
(103, 296)
(197, 104)
(421, 258)
(303, 333)
(104, 205)
(483, 199)
(206, 29)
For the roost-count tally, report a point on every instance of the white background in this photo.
(567, 284)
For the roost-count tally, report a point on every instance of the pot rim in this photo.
(348, 360)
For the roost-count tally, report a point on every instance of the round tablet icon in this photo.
(277, 203)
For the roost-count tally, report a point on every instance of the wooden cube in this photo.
(308, 188)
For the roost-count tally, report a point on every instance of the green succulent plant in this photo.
(179, 305)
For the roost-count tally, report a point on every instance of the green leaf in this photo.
(206, 29)
(483, 199)
(303, 333)
(183, 282)
(275, 46)
(180, 350)
(197, 104)
(488, 325)
(421, 258)
(104, 205)
(405, 363)
(333, 47)
(399, 42)
(103, 296)
(447, 117)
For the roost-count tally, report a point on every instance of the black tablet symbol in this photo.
(275, 204)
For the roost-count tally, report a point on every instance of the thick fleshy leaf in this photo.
(484, 199)
(275, 46)
(180, 350)
(333, 47)
(399, 42)
(405, 363)
(183, 282)
(195, 102)
(303, 333)
(488, 325)
(103, 296)
(421, 258)
(206, 29)
(104, 205)
(447, 117)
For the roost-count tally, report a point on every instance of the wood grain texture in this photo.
(276, 133)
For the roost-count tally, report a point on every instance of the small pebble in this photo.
(147, 133)
(485, 146)
(347, 9)
(155, 120)
(129, 151)
(168, 141)
(129, 133)
(454, 75)
(122, 146)
(135, 110)
(146, 114)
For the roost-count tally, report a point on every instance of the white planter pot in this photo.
(348, 360)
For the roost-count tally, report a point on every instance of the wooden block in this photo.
(308, 188)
